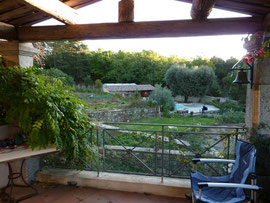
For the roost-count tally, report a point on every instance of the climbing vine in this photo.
(46, 111)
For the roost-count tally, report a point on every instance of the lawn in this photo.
(175, 119)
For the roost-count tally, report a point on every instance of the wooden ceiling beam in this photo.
(241, 7)
(178, 28)
(79, 4)
(7, 31)
(201, 9)
(126, 11)
(55, 9)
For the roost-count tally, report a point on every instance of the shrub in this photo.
(66, 79)
(229, 106)
(163, 97)
(45, 110)
(232, 116)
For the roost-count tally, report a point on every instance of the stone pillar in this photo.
(15, 53)
(258, 98)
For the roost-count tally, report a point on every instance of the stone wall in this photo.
(124, 115)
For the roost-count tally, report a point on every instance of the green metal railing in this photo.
(160, 150)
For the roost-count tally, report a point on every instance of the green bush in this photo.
(229, 106)
(232, 116)
(163, 97)
(66, 79)
(45, 110)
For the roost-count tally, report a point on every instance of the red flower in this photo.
(261, 53)
(245, 60)
(248, 58)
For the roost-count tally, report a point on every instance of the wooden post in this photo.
(201, 9)
(126, 11)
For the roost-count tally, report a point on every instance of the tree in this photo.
(189, 81)
(222, 69)
(71, 57)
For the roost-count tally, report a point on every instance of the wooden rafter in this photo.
(7, 31)
(201, 9)
(250, 7)
(79, 4)
(179, 28)
(55, 9)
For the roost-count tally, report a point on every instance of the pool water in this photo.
(194, 107)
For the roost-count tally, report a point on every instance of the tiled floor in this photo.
(73, 194)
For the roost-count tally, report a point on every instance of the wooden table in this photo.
(20, 155)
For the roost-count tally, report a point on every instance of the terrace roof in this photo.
(17, 16)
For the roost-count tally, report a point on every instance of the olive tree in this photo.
(194, 81)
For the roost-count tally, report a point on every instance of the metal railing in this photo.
(160, 150)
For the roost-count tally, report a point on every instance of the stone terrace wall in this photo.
(124, 115)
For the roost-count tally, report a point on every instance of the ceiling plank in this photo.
(126, 11)
(201, 9)
(7, 31)
(56, 9)
(178, 28)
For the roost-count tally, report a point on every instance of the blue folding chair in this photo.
(227, 188)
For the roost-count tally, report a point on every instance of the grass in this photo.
(97, 101)
(104, 101)
(175, 119)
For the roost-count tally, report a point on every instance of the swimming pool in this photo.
(194, 107)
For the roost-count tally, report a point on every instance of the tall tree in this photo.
(71, 57)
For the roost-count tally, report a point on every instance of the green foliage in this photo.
(87, 80)
(259, 136)
(189, 81)
(163, 97)
(66, 79)
(214, 89)
(232, 116)
(45, 110)
(230, 111)
(262, 143)
(98, 84)
(229, 105)
(71, 57)
(236, 92)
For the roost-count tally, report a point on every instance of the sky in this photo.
(224, 46)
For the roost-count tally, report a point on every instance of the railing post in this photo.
(97, 153)
(162, 160)
(228, 151)
(170, 135)
(103, 151)
(236, 138)
(156, 150)
(91, 133)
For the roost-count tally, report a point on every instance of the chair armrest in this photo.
(196, 160)
(229, 185)
(226, 185)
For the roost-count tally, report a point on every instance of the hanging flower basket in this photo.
(258, 47)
